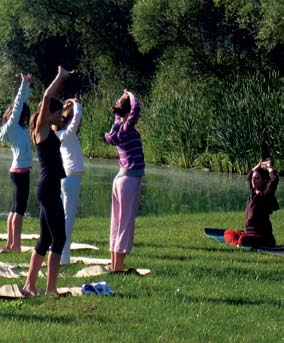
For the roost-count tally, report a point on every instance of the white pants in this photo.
(70, 191)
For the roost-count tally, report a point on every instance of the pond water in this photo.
(166, 190)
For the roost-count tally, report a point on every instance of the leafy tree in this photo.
(224, 36)
(263, 22)
(91, 35)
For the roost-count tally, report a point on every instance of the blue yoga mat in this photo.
(278, 250)
(217, 234)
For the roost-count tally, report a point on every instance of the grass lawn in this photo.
(200, 291)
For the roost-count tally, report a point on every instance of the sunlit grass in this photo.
(200, 290)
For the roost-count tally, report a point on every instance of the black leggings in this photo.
(52, 220)
(21, 182)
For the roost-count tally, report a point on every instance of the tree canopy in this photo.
(124, 39)
(157, 47)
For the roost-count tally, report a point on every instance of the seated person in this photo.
(262, 182)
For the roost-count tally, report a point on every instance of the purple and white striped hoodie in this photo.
(128, 141)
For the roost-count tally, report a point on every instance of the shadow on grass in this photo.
(238, 301)
(232, 253)
(233, 259)
(187, 254)
(223, 247)
(125, 296)
(38, 318)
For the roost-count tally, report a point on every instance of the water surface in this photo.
(166, 190)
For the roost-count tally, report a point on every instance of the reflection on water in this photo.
(165, 190)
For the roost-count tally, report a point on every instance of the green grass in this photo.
(200, 291)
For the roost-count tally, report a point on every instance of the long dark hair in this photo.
(264, 173)
(122, 107)
(55, 105)
(25, 115)
(32, 126)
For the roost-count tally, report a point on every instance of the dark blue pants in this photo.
(21, 183)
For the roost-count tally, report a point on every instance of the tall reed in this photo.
(97, 119)
(176, 124)
(225, 126)
(248, 120)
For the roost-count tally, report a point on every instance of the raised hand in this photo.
(26, 77)
(65, 73)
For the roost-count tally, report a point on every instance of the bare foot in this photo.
(52, 293)
(4, 250)
(28, 292)
(15, 248)
(50, 290)
(9, 249)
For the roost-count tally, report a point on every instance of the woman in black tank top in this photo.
(52, 221)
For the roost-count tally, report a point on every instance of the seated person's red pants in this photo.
(242, 238)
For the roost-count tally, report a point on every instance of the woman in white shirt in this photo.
(15, 132)
(74, 167)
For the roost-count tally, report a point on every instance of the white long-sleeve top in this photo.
(70, 145)
(17, 135)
